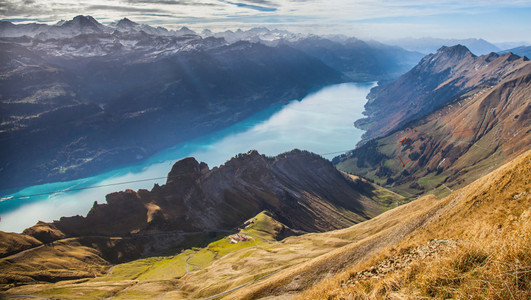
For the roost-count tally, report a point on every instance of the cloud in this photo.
(262, 2)
(19, 8)
(125, 9)
(24, 20)
(373, 18)
(252, 6)
(173, 2)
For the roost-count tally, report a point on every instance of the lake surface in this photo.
(322, 122)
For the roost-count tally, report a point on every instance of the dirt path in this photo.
(242, 286)
(188, 266)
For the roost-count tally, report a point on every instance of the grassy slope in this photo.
(11, 242)
(61, 260)
(210, 270)
(156, 274)
(386, 198)
(492, 212)
(455, 145)
(490, 220)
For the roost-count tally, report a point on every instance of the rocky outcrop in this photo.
(302, 189)
(44, 232)
(404, 260)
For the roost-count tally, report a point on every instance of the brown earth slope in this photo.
(477, 246)
(435, 82)
(458, 143)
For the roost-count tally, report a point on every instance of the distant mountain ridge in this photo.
(430, 45)
(358, 59)
(97, 101)
(78, 25)
(85, 37)
(522, 51)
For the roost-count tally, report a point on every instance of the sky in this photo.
(493, 20)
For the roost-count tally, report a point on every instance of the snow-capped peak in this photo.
(126, 23)
(84, 24)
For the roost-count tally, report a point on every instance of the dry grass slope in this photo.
(490, 220)
(485, 252)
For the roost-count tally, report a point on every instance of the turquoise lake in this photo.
(322, 122)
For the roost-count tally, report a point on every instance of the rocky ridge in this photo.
(300, 192)
(439, 79)
(485, 124)
(302, 189)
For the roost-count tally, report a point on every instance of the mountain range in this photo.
(89, 97)
(430, 45)
(436, 81)
(435, 202)
(303, 191)
(451, 118)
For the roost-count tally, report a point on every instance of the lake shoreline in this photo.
(321, 123)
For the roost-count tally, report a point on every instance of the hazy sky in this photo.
(494, 20)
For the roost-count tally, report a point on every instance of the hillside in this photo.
(438, 80)
(477, 245)
(303, 191)
(471, 135)
(480, 231)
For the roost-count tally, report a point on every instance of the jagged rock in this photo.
(302, 189)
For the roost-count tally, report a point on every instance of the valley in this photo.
(482, 123)
(320, 122)
(79, 98)
(432, 201)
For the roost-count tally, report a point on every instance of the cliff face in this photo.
(439, 79)
(304, 190)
